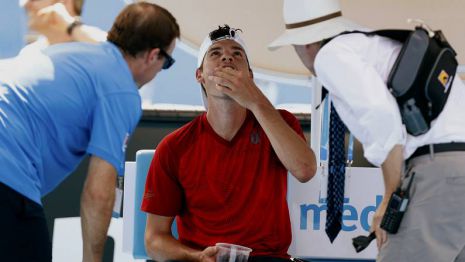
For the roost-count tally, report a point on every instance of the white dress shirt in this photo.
(354, 69)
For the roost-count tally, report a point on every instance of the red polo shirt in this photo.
(222, 191)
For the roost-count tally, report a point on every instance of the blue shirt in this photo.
(58, 105)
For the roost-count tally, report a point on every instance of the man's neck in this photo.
(226, 118)
(135, 66)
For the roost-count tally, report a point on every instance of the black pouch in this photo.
(421, 77)
(440, 80)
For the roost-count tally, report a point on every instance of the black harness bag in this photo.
(422, 75)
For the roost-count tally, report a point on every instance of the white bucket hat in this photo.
(207, 42)
(310, 21)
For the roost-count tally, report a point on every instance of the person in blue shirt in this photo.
(67, 101)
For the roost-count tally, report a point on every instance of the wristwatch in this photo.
(72, 26)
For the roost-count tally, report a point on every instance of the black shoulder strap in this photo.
(400, 35)
(397, 34)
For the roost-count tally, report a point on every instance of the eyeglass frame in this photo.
(169, 60)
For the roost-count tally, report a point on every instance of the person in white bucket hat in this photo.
(312, 21)
(225, 172)
(354, 69)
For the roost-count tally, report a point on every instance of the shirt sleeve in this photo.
(163, 194)
(360, 97)
(114, 119)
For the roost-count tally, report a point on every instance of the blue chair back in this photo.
(143, 160)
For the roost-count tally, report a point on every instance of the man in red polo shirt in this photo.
(224, 174)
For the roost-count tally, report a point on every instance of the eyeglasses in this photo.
(223, 32)
(169, 61)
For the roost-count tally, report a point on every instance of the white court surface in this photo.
(67, 240)
(308, 214)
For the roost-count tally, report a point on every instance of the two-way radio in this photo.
(392, 217)
(396, 208)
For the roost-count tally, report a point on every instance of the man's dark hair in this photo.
(143, 26)
(223, 32)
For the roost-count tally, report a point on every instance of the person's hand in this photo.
(208, 254)
(51, 21)
(237, 85)
(381, 234)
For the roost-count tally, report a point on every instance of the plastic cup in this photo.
(231, 253)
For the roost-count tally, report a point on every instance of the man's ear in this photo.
(198, 75)
(251, 73)
(152, 55)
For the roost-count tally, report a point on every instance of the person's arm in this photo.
(367, 108)
(53, 22)
(97, 201)
(90, 34)
(392, 171)
(291, 149)
(360, 95)
(162, 246)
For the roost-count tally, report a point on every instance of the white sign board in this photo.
(308, 215)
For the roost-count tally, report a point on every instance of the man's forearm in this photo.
(291, 149)
(166, 247)
(95, 219)
(392, 169)
(90, 34)
(97, 201)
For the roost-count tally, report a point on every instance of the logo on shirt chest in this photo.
(255, 137)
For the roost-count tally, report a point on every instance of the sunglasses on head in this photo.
(223, 32)
(169, 61)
